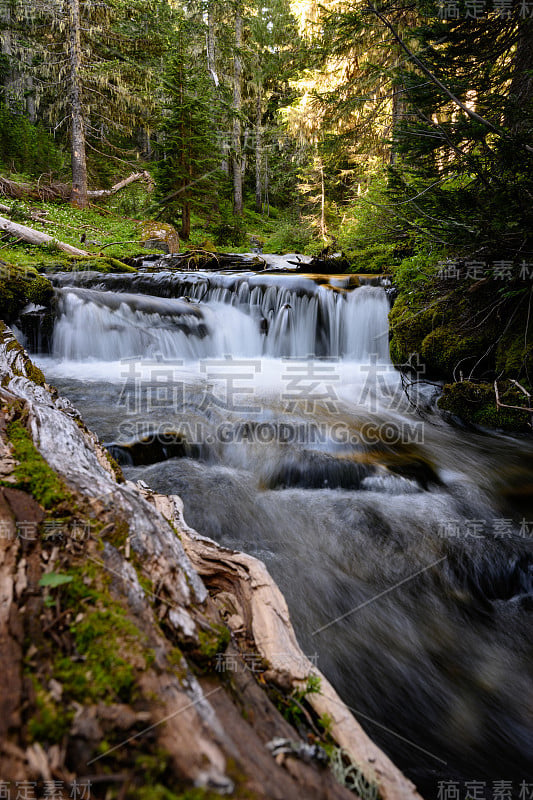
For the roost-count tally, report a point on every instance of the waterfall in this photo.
(323, 468)
(202, 316)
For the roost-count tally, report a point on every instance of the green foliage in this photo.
(27, 148)
(290, 237)
(54, 579)
(416, 271)
(32, 473)
(292, 707)
(190, 155)
(230, 231)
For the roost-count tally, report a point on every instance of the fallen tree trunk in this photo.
(36, 237)
(62, 191)
(136, 176)
(262, 617)
(217, 732)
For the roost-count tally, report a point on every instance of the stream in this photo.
(402, 543)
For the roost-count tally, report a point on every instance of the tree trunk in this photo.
(258, 153)
(77, 145)
(521, 89)
(322, 203)
(211, 62)
(237, 104)
(185, 220)
(398, 113)
(135, 176)
(36, 237)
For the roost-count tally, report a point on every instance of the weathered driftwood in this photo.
(263, 612)
(36, 237)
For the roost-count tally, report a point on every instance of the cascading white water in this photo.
(283, 318)
(441, 663)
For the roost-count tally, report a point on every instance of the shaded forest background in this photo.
(398, 133)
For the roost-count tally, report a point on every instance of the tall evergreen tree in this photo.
(190, 148)
(91, 66)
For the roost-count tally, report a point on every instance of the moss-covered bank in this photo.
(468, 333)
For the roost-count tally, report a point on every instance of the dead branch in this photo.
(499, 404)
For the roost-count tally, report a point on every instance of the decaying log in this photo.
(263, 610)
(136, 176)
(36, 237)
(48, 192)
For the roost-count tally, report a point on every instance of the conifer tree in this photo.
(191, 153)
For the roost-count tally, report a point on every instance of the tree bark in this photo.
(185, 220)
(36, 237)
(323, 230)
(79, 196)
(398, 113)
(211, 62)
(258, 153)
(521, 89)
(237, 104)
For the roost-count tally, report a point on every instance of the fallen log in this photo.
(62, 191)
(263, 618)
(36, 237)
(211, 730)
(136, 176)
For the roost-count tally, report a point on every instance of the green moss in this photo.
(118, 536)
(443, 349)
(476, 403)
(514, 353)
(409, 327)
(40, 291)
(105, 640)
(213, 641)
(32, 473)
(160, 792)
(96, 264)
(19, 286)
(50, 722)
(117, 470)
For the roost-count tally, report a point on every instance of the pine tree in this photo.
(91, 65)
(191, 155)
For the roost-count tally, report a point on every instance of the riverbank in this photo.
(470, 332)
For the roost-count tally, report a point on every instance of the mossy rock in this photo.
(152, 231)
(514, 355)
(30, 370)
(476, 403)
(443, 349)
(20, 286)
(409, 327)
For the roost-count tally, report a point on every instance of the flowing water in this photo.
(402, 544)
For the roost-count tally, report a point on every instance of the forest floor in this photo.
(117, 228)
